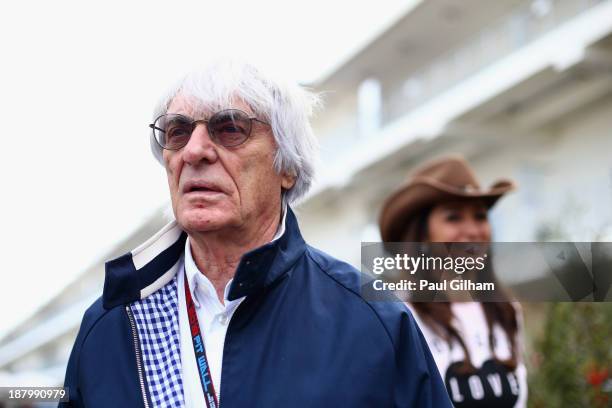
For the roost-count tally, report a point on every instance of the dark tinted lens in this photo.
(173, 131)
(230, 127)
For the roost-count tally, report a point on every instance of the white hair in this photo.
(286, 106)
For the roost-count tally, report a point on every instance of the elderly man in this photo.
(228, 304)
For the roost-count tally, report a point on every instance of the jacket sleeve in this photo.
(417, 381)
(71, 380)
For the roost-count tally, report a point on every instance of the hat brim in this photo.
(419, 195)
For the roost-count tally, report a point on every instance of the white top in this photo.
(490, 381)
(213, 317)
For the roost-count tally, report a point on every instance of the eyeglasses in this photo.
(228, 128)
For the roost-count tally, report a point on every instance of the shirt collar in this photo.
(153, 264)
(200, 285)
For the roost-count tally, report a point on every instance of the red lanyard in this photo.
(200, 353)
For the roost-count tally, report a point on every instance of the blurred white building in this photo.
(522, 88)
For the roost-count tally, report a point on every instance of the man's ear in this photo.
(287, 181)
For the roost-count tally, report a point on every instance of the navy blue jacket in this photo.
(303, 337)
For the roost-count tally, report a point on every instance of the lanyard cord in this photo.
(200, 354)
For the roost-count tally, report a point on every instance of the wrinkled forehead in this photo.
(198, 107)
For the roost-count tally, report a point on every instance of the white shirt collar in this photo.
(200, 285)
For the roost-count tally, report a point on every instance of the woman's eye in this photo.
(452, 217)
(481, 216)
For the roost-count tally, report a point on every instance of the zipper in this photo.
(138, 356)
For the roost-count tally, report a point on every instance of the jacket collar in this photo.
(153, 264)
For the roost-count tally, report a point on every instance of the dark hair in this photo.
(438, 315)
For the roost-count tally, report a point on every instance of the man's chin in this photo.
(204, 220)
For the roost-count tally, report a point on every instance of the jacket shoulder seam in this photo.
(308, 250)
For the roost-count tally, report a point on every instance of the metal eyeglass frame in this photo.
(194, 123)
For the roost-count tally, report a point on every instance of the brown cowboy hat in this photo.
(446, 178)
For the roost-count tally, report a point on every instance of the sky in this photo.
(78, 82)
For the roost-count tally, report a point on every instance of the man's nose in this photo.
(200, 147)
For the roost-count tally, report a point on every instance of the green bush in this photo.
(572, 361)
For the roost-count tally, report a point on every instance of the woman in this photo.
(476, 346)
